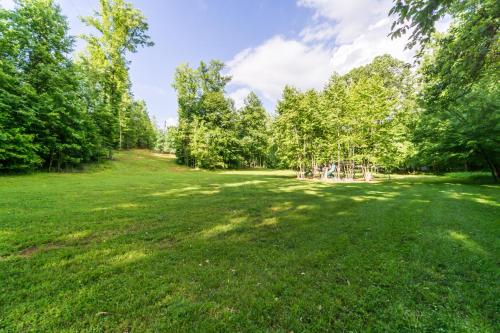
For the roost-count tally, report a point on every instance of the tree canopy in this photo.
(211, 132)
(460, 99)
(441, 113)
(57, 112)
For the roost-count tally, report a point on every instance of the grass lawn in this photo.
(142, 245)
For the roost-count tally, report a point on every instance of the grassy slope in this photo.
(145, 245)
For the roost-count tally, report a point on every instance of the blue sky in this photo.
(265, 43)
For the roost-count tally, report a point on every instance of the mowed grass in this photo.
(144, 245)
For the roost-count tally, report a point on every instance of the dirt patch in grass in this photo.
(32, 250)
(164, 156)
(167, 243)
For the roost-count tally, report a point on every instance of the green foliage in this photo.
(460, 96)
(361, 118)
(419, 17)
(139, 131)
(48, 81)
(18, 150)
(253, 131)
(211, 133)
(165, 139)
(121, 28)
(55, 112)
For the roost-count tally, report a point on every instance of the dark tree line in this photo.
(55, 111)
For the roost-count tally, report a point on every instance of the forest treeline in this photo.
(211, 132)
(56, 111)
(439, 114)
(361, 117)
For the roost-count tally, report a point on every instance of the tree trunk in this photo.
(51, 159)
(120, 130)
(59, 161)
(338, 161)
(491, 164)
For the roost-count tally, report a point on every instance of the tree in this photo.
(296, 128)
(18, 149)
(55, 112)
(460, 79)
(122, 28)
(166, 138)
(360, 119)
(420, 17)
(139, 132)
(383, 102)
(207, 118)
(252, 127)
(48, 82)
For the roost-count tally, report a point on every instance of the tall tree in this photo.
(253, 131)
(121, 29)
(18, 149)
(139, 131)
(460, 77)
(296, 129)
(360, 119)
(206, 117)
(42, 45)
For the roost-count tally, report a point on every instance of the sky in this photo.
(265, 44)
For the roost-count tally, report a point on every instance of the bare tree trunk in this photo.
(493, 167)
(120, 129)
(338, 161)
(59, 160)
(51, 159)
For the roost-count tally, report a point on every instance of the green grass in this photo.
(142, 245)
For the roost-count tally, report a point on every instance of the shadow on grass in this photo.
(262, 252)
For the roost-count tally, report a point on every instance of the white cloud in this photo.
(364, 48)
(320, 32)
(351, 18)
(361, 31)
(343, 35)
(239, 96)
(7, 4)
(171, 121)
(267, 68)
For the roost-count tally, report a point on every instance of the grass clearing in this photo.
(145, 245)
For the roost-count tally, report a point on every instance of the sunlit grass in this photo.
(142, 244)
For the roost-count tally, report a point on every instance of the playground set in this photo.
(346, 171)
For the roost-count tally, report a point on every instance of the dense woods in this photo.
(211, 132)
(459, 96)
(438, 114)
(359, 120)
(58, 111)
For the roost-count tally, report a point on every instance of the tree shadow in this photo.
(264, 252)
